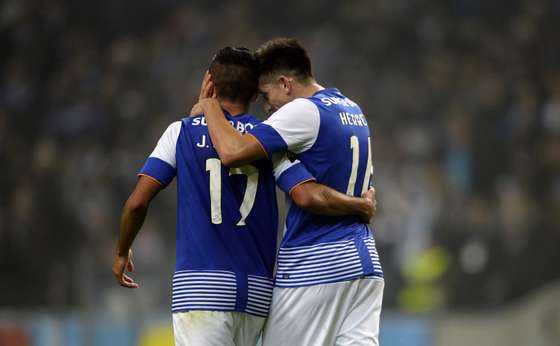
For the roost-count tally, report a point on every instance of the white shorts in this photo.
(216, 328)
(342, 313)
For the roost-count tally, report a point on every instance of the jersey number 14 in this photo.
(355, 146)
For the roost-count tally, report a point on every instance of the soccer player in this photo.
(329, 281)
(226, 217)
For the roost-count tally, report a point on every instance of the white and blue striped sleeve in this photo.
(161, 164)
(293, 127)
(289, 174)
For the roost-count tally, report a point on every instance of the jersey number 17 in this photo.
(214, 167)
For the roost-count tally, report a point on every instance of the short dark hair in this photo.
(284, 55)
(235, 73)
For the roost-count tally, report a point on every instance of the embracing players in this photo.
(329, 281)
(226, 217)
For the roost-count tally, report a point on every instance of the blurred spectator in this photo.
(463, 100)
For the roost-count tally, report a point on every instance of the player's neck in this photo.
(234, 109)
(308, 89)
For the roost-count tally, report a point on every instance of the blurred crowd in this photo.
(462, 98)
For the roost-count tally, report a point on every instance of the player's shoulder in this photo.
(250, 118)
(332, 97)
(301, 102)
(298, 111)
(298, 106)
(188, 120)
(174, 127)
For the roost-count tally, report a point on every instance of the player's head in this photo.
(283, 63)
(235, 74)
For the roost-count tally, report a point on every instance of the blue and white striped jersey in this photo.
(330, 135)
(226, 218)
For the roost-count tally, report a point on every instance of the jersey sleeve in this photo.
(289, 174)
(293, 127)
(161, 164)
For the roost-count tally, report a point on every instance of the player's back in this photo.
(340, 155)
(226, 224)
(343, 247)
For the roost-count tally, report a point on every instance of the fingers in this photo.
(373, 200)
(204, 80)
(123, 279)
(371, 205)
(127, 281)
(214, 95)
(122, 262)
(207, 77)
(208, 90)
(371, 195)
(207, 87)
(130, 265)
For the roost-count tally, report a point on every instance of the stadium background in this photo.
(463, 99)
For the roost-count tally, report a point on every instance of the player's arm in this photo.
(294, 178)
(233, 148)
(293, 127)
(158, 171)
(132, 218)
(321, 199)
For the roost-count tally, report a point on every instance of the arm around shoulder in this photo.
(320, 199)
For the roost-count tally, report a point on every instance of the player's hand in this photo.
(207, 89)
(209, 104)
(122, 263)
(371, 205)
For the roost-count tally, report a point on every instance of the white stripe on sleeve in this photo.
(280, 163)
(167, 145)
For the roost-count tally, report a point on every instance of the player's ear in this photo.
(285, 83)
(254, 98)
